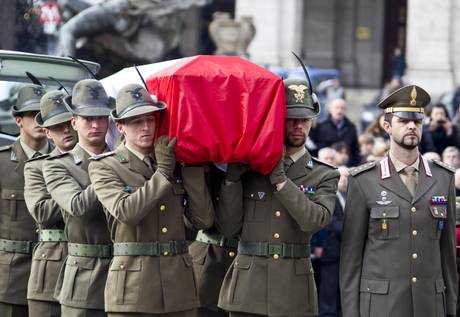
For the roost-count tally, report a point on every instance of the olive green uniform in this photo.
(82, 279)
(51, 251)
(398, 250)
(272, 273)
(145, 213)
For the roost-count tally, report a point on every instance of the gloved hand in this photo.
(235, 171)
(278, 175)
(164, 154)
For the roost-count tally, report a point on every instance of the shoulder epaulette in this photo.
(52, 157)
(6, 147)
(324, 163)
(41, 157)
(361, 168)
(101, 156)
(444, 165)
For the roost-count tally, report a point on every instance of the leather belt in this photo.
(216, 239)
(90, 250)
(285, 250)
(52, 235)
(150, 248)
(25, 247)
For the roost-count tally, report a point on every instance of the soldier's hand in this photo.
(235, 171)
(164, 154)
(278, 175)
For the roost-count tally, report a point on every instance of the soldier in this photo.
(212, 254)
(276, 215)
(143, 197)
(51, 250)
(398, 243)
(89, 248)
(17, 227)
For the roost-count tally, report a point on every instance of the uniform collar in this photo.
(136, 153)
(30, 152)
(399, 166)
(297, 155)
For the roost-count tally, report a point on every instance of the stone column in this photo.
(433, 46)
(279, 30)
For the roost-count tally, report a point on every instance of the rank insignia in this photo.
(383, 199)
(438, 200)
(308, 190)
(310, 164)
(128, 189)
(261, 195)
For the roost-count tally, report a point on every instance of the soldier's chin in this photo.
(409, 144)
(295, 143)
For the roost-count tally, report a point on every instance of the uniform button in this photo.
(413, 209)
(74, 262)
(164, 229)
(162, 208)
(12, 195)
(166, 253)
(276, 236)
(414, 232)
(121, 266)
(414, 255)
(252, 195)
(231, 254)
(278, 214)
(276, 256)
(414, 279)
(37, 230)
(43, 255)
(384, 214)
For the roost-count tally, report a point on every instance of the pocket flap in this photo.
(243, 262)
(12, 194)
(81, 262)
(126, 263)
(198, 251)
(255, 195)
(439, 211)
(385, 212)
(49, 254)
(374, 286)
(440, 287)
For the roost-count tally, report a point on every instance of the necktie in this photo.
(149, 162)
(410, 180)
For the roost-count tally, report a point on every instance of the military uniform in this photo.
(17, 227)
(212, 254)
(398, 247)
(151, 272)
(82, 279)
(51, 251)
(272, 273)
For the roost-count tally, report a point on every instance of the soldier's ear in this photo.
(73, 123)
(18, 120)
(120, 127)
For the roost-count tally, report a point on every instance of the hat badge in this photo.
(56, 99)
(38, 91)
(94, 91)
(136, 93)
(299, 92)
(413, 96)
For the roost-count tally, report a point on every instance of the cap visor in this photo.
(409, 115)
(301, 113)
(141, 110)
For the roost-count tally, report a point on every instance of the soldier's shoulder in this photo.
(102, 156)
(330, 166)
(443, 165)
(362, 168)
(38, 158)
(56, 156)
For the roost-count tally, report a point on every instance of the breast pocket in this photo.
(124, 279)
(255, 205)
(13, 200)
(438, 215)
(384, 222)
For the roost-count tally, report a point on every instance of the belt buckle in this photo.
(275, 249)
